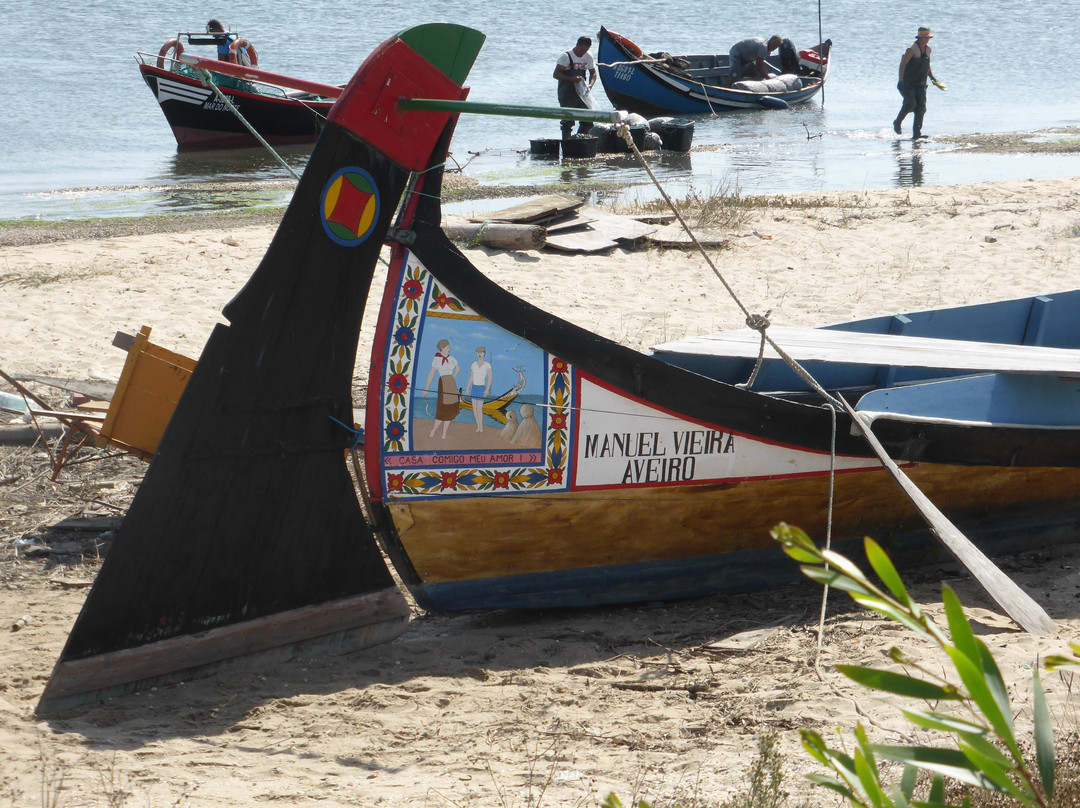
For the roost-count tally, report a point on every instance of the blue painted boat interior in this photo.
(1050, 321)
(697, 87)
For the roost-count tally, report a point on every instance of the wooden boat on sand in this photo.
(195, 96)
(627, 477)
(700, 84)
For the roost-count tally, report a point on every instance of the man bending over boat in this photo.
(746, 58)
(575, 71)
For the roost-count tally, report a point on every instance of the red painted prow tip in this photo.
(369, 105)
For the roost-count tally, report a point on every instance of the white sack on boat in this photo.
(750, 86)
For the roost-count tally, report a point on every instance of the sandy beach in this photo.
(502, 708)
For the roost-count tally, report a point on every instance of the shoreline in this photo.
(461, 188)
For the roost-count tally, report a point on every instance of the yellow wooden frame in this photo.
(146, 395)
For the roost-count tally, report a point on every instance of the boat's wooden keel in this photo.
(339, 627)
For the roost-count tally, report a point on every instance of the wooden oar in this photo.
(511, 110)
(1017, 603)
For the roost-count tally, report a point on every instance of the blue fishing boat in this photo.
(700, 84)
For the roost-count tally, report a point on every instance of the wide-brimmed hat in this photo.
(926, 33)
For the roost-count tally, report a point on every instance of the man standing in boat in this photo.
(575, 71)
(229, 47)
(914, 70)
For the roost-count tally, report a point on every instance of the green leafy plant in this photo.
(1056, 662)
(986, 755)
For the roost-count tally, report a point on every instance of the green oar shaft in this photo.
(516, 111)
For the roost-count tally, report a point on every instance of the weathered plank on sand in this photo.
(503, 235)
(603, 233)
(536, 210)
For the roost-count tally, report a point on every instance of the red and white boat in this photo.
(212, 104)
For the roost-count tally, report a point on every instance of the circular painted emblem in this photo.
(350, 206)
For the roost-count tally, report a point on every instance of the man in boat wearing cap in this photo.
(227, 52)
(914, 70)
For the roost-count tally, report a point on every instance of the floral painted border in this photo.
(399, 359)
(418, 286)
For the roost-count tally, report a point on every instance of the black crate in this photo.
(675, 135)
(637, 134)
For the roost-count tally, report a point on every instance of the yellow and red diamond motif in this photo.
(350, 206)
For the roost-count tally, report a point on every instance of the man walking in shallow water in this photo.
(914, 70)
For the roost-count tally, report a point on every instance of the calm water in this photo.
(80, 134)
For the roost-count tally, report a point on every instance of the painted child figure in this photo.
(480, 386)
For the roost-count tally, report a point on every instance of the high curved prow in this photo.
(245, 536)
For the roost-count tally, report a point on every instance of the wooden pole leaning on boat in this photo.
(1017, 603)
(260, 75)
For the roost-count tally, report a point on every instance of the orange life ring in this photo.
(627, 43)
(237, 44)
(172, 44)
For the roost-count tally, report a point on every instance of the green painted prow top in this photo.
(450, 47)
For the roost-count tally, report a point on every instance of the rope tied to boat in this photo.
(619, 120)
(411, 190)
(644, 60)
(828, 542)
(621, 123)
(705, 95)
(356, 436)
(208, 81)
(759, 323)
(431, 168)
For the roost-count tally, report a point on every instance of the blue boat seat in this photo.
(996, 398)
